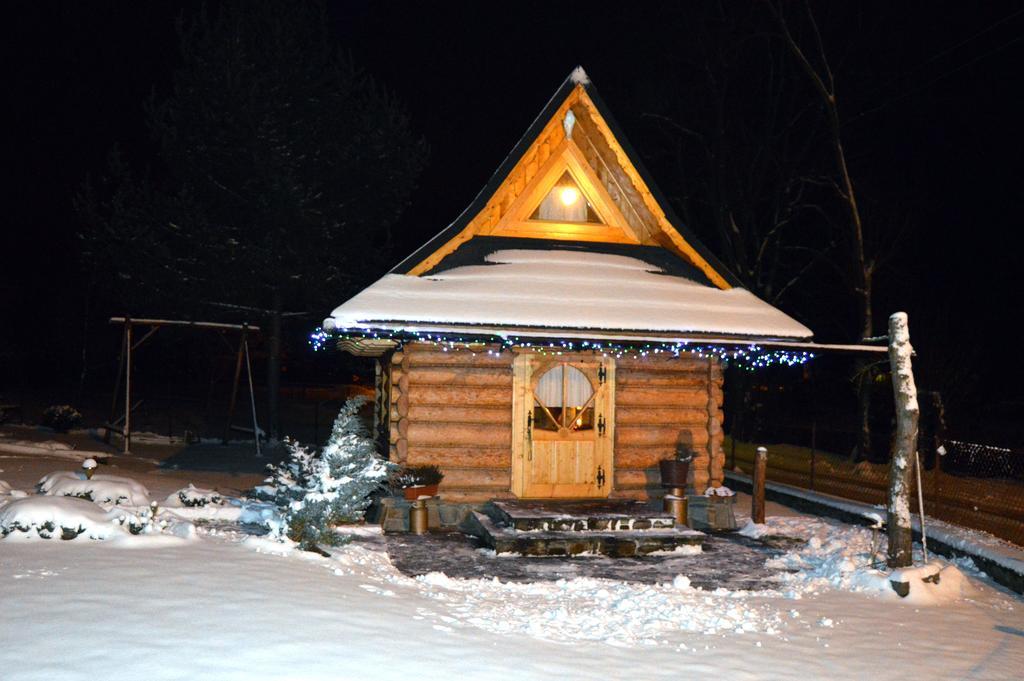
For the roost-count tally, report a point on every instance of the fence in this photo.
(973, 485)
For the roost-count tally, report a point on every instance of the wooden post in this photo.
(128, 385)
(905, 444)
(239, 356)
(757, 497)
(814, 428)
(117, 386)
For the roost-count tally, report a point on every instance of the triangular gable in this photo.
(517, 219)
(576, 134)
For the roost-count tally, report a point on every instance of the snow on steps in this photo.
(560, 534)
(1002, 561)
(578, 516)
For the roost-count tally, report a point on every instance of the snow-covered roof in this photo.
(565, 290)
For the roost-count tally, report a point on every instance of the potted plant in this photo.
(675, 471)
(419, 481)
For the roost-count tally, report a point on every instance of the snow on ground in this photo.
(24, 470)
(227, 605)
(50, 448)
(250, 608)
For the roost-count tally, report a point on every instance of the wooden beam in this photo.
(179, 322)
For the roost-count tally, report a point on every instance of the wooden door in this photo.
(563, 409)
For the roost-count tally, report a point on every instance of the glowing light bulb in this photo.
(569, 195)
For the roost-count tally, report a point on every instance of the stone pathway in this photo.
(728, 561)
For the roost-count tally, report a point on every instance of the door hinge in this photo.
(600, 477)
(602, 374)
(529, 425)
(600, 425)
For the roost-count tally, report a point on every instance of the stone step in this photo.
(616, 543)
(575, 516)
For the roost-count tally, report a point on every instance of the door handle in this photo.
(529, 436)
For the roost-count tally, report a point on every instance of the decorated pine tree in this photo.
(331, 487)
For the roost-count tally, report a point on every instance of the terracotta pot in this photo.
(673, 473)
(414, 493)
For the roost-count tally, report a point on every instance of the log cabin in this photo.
(565, 333)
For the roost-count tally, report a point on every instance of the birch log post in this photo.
(907, 412)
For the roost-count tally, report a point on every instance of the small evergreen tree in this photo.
(319, 490)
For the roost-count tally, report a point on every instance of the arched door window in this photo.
(563, 400)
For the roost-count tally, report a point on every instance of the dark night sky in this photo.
(473, 76)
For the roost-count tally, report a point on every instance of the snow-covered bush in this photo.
(318, 490)
(102, 489)
(61, 417)
(65, 518)
(194, 497)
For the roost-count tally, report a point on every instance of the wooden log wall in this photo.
(661, 402)
(454, 410)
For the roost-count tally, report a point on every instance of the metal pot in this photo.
(674, 472)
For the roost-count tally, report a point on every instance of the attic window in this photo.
(566, 203)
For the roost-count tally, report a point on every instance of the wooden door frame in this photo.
(523, 367)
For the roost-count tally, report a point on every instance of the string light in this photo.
(749, 357)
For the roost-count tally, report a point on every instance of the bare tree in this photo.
(861, 264)
(741, 145)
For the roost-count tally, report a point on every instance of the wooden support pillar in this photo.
(905, 444)
(757, 494)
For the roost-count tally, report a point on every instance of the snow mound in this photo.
(261, 513)
(103, 489)
(63, 517)
(7, 491)
(933, 584)
(720, 491)
(752, 530)
(852, 559)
